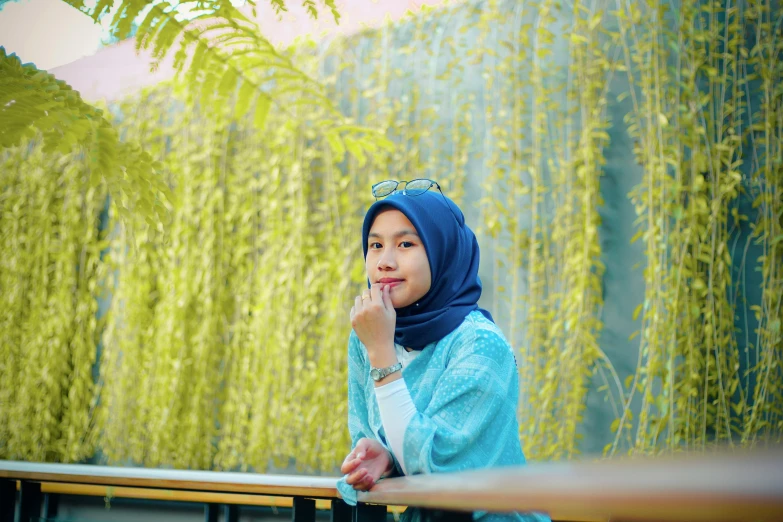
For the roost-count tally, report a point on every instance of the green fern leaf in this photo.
(33, 102)
(228, 83)
(122, 23)
(246, 91)
(262, 111)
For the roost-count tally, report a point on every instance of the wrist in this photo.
(382, 357)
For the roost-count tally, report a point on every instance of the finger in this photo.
(367, 295)
(353, 312)
(366, 483)
(348, 458)
(387, 302)
(356, 477)
(360, 482)
(349, 466)
(369, 480)
(375, 294)
(357, 305)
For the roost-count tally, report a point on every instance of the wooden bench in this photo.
(739, 486)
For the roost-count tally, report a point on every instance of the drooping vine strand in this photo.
(225, 337)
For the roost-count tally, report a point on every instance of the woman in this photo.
(433, 383)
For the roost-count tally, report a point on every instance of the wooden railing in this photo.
(743, 486)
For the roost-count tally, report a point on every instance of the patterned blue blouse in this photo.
(465, 388)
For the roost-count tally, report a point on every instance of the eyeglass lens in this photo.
(384, 188)
(412, 188)
(418, 186)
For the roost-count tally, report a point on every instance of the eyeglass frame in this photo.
(405, 193)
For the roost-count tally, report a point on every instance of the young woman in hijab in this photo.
(432, 381)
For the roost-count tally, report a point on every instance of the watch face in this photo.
(375, 374)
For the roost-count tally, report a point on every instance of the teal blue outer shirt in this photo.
(466, 388)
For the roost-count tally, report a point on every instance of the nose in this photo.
(386, 261)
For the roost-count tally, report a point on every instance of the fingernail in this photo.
(360, 456)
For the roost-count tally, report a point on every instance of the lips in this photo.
(391, 281)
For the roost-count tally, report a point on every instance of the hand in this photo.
(373, 319)
(367, 463)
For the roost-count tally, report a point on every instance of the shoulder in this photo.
(478, 336)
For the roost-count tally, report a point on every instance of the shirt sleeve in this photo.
(397, 410)
(358, 422)
(470, 422)
(358, 413)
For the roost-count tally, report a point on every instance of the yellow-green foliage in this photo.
(225, 345)
(50, 275)
(708, 130)
(34, 104)
(542, 112)
(219, 54)
(762, 410)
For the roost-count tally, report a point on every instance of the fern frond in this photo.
(221, 57)
(34, 102)
(333, 8)
(278, 6)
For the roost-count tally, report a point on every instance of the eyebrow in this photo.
(396, 235)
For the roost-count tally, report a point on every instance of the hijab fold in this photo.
(453, 254)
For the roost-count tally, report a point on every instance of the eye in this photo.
(375, 245)
(406, 244)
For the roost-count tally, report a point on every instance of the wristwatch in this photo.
(379, 373)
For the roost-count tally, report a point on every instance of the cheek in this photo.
(425, 279)
(367, 266)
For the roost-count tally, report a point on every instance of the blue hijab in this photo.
(453, 254)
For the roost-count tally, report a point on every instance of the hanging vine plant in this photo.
(223, 346)
(225, 342)
(35, 105)
(704, 140)
(50, 276)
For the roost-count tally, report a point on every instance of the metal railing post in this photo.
(29, 501)
(211, 512)
(231, 513)
(341, 512)
(51, 502)
(304, 510)
(369, 513)
(7, 500)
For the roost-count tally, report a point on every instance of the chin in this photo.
(397, 303)
(400, 303)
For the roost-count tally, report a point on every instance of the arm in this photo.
(397, 410)
(358, 421)
(359, 460)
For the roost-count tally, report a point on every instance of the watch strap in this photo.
(379, 373)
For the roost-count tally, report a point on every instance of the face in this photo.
(396, 256)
